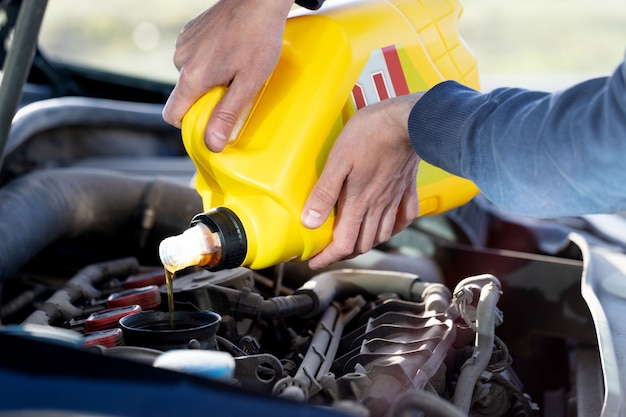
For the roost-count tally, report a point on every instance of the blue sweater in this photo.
(531, 153)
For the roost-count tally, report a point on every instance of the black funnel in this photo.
(189, 329)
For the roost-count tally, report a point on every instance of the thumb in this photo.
(228, 118)
(321, 200)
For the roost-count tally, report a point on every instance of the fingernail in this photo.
(312, 219)
(216, 140)
(313, 267)
(167, 118)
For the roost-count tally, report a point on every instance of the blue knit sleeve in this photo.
(532, 153)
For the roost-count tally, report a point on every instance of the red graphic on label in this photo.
(382, 77)
(359, 96)
(381, 86)
(395, 70)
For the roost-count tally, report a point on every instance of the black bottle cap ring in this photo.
(227, 225)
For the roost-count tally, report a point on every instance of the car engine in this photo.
(357, 339)
(462, 314)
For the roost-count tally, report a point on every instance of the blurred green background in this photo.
(545, 44)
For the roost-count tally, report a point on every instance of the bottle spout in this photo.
(196, 246)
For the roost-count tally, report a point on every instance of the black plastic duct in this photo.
(38, 209)
(54, 113)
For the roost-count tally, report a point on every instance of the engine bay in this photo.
(473, 312)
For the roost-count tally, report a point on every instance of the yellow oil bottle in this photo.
(334, 61)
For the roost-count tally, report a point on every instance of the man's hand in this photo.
(237, 44)
(370, 175)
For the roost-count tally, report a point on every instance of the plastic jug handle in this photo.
(197, 117)
(195, 120)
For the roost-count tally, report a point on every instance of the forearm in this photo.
(533, 153)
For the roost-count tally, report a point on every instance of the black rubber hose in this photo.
(319, 292)
(324, 288)
(60, 304)
(45, 206)
(287, 306)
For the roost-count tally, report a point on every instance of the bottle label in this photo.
(387, 73)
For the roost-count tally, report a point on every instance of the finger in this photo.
(387, 223)
(229, 115)
(408, 209)
(369, 227)
(324, 195)
(342, 247)
(180, 100)
(347, 227)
